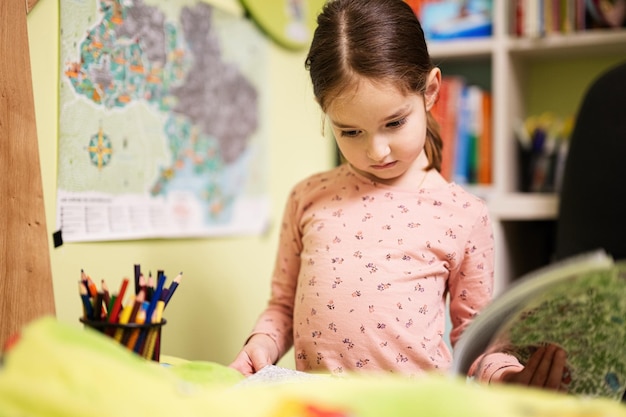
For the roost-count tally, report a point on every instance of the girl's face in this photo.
(381, 131)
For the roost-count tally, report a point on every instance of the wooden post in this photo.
(25, 273)
(29, 5)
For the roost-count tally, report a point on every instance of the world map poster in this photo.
(161, 124)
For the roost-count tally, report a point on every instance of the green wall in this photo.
(226, 280)
(559, 85)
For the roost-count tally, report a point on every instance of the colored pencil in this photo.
(84, 295)
(91, 286)
(137, 274)
(150, 287)
(133, 341)
(142, 284)
(83, 278)
(111, 304)
(97, 307)
(172, 287)
(139, 299)
(113, 317)
(156, 297)
(139, 346)
(106, 295)
(153, 334)
(124, 318)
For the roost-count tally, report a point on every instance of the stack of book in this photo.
(464, 114)
(537, 18)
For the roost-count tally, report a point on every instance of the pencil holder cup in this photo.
(143, 339)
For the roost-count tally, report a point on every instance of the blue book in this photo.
(454, 19)
(461, 162)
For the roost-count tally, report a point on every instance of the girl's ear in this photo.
(433, 83)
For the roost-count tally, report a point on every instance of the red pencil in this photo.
(113, 317)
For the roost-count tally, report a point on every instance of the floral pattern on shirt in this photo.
(363, 272)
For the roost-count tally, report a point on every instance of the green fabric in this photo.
(206, 374)
(60, 370)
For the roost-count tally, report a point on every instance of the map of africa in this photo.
(161, 130)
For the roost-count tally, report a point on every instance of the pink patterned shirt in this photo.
(363, 271)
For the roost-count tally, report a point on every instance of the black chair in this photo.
(592, 209)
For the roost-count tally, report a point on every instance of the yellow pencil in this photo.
(148, 351)
(124, 317)
(140, 319)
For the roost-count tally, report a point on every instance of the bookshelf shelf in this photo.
(589, 43)
(524, 77)
(517, 206)
(477, 48)
(523, 206)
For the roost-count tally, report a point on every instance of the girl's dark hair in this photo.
(378, 39)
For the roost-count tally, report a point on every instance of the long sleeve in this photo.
(277, 319)
(471, 288)
(490, 367)
(471, 282)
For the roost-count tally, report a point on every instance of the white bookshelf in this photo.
(523, 222)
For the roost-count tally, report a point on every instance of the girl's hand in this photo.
(258, 352)
(544, 369)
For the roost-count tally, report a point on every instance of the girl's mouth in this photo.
(385, 166)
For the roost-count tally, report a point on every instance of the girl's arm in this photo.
(470, 284)
(471, 289)
(276, 321)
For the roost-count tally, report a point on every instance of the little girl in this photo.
(369, 251)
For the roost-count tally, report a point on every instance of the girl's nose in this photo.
(378, 148)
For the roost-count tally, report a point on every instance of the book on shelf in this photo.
(578, 304)
(464, 136)
(463, 112)
(537, 18)
(485, 144)
(454, 19)
(416, 5)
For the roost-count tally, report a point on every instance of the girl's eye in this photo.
(349, 133)
(397, 123)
